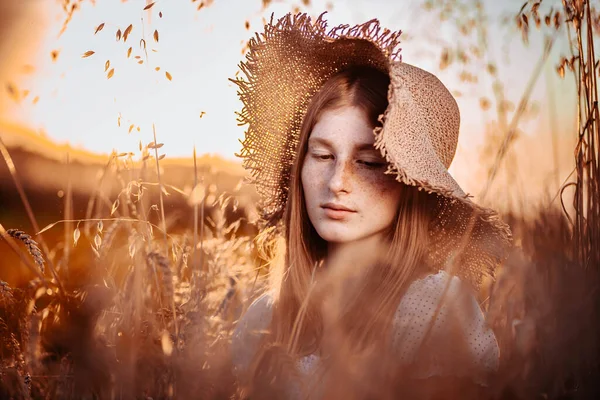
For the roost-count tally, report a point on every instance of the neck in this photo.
(347, 263)
(343, 274)
(358, 254)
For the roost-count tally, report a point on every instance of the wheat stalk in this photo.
(512, 128)
(15, 248)
(96, 193)
(587, 152)
(68, 212)
(30, 244)
(157, 259)
(13, 173)
(154, 258)
(108, 238)
(156, 146)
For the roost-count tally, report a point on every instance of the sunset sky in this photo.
(201, 49)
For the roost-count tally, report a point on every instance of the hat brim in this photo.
(417, 137)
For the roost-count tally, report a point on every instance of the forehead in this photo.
(343, 126)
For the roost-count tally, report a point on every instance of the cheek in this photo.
(380, 184)
(390, 186)
(384, 190)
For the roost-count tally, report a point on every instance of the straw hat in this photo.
(288, 63)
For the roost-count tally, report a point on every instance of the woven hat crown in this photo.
(431, 109)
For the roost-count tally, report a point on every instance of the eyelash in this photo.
(373, 165)
(368, 164)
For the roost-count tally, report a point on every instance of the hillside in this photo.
(42, 168)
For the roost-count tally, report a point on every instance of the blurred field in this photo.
(123, 312)
(115, 277)
(97, 181)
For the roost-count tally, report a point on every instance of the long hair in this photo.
(297, 322)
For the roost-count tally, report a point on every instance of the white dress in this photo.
(459, 316)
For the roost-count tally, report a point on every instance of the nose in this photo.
(339, 180)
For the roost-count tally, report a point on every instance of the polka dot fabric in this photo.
(440, 329)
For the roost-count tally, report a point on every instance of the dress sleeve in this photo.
(248, 333)
(439, 330)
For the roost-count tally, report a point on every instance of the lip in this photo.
(336, 211)
(336, 207)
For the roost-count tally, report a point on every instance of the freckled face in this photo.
(348, 197)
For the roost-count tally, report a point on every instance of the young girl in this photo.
(382, 253)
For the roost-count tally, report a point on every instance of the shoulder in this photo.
(424, 307)
(440, 320)
(436, 287)
(433, 294)
(249, 331)
(258, 312)
(440, 294)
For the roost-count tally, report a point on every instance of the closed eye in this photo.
(320, 156)
(372, 164)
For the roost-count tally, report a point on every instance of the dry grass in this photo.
(153, 316)
(147, 315)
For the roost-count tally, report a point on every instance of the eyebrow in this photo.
(327, 143)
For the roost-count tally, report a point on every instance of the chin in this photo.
(339, 234)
